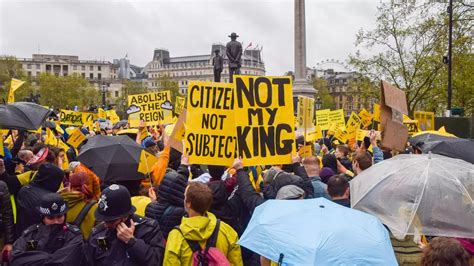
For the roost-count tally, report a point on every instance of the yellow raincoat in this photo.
(200, 228)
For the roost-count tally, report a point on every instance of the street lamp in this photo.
(318, 103)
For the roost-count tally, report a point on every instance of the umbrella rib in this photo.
(457, 182)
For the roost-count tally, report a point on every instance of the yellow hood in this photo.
(199, 227)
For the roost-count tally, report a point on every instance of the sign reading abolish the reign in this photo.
(153, 108)
(264, 120)
(210, 127)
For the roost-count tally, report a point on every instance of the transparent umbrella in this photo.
(418, 194)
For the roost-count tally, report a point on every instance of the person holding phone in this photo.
(123, 238)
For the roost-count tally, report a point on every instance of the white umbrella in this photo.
(418, 194)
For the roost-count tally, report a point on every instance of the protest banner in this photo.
(177, 135)
(210, 126)
(305, 117)
(264, 120)
(322, 118)
(76, 138)
(425, 120)
(365, 117)
(101, 114)
(333, 127)
(393, 106)
(352, 125)
(314, 135)
(179, 104)
(73, 118)
(154, 108)
(337, 117)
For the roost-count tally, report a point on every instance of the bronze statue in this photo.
(234, 54)
(218, 63)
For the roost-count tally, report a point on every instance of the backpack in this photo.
(210, 256)
(82, 215)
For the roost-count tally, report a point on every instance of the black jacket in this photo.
(6, 215)
(148, 249)
(169, 208)
(55, 245)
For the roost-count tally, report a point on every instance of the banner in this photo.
(337, 117)
(322, 118)
(154, 108)
(210, 125)
(264, 120)
(305, 118)
(341, 135)
(73, 118)
(425, 120)
(14, 85)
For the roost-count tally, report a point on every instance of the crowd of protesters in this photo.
(58, 213)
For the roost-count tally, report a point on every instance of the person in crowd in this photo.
(342, 151)
(445, 251)
(52, 241)
(361, 162)
(78, 197)
(93, 182)
(48, 179)
(199, 229)
(311, 165)
(123, 238)
(325, 174)
(7, 232)
(338, 190)
(168, 209)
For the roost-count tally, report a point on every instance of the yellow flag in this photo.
(2, 152)
(62, 145)
(341, 135)
(101, 113)
(14, 85)
(306, 151)
(144, 133)
(50, 138)
(147, 160)
(76, 138)
(112, 115)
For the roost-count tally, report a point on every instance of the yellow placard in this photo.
(68, 117)
(377, 112)
(366, 117)
(179, 104)
(332, 128)
(112, 116)
(361, 134)
(341, 135)
(306, 151)
(322, 118)
(210, 126)
(154, 108)
(144, 133)
(305, 118)
(337, 117)
(76, 138)
(147, 160)
(353, 124)
(2, 152)
(264, 119)
(425, 120)
(101, 114)
(314, 135)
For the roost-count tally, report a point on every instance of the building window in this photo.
(99, 68)
(38, 66)
(91, 75)
(83, 68)
(65, 74)
(29, 73)
(28, 66)
(91, 68)
(83, 75)
(116, 94)
(99, 76)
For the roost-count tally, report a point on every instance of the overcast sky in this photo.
(110, 29)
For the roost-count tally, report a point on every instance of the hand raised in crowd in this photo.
(124, 232)
(324, 149)
(185, 158)
(19, 168)
(340, 168)
(238, 164)
(165, 138)
(152, 193)
(7, 249)
(373, 138)
(2, 167)
(295, 158)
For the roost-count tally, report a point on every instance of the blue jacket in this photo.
(319, 188)
(378, 154)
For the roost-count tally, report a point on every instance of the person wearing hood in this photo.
(93, 182)
(78, 197)
(197, 229)
(48, 179)
(52, 241)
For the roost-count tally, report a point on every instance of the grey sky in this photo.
(110, 29)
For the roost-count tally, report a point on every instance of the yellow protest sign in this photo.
(2, 152)
(112, 116)
(337, 117)
(144, 133)
(177, 135)
(76, 138)
(361, 134)
(306, 151)
(305, 117)
(101, 114)
(147, 160)
(179, 104)
(425, 120)
(154, 108)
(68, 117)
(377, 112)
(314, 135)
(322, 118)
(353, 123)
(210, 127)
(341, 135)
(14, 85)
(50, 138)
(365, 117)
(264, 119)
(333, 127)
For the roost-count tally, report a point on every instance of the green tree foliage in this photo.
(327, 100)
(166, 83)
(10, 68)
(367, 91)
(59, 92)
(407, 46)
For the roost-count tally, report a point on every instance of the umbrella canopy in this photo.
(453, 147)
(429, 137)
(112, 158)
(418, 194)
(22, 115)
(317, 232)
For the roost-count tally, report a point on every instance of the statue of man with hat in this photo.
(234, 54)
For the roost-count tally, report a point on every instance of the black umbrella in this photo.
(454, 147)
(428, 137)
(112, 158)
(22, 115)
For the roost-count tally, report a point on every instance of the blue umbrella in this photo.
(317, 232)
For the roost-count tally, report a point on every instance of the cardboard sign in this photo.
(68, 117)
(425, 120)
(210, 126)
(154, 108)
(264, 120)
(177, 135)
(76, 138)
(336, 117)
(366, 117)
(314, 135)
(306, 151)
(305, 118)
(322, 118)
(393, 106)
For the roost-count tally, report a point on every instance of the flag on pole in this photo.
(14, 85)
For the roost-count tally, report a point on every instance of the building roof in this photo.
(344, 75)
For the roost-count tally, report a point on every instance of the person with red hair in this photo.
(79, 197)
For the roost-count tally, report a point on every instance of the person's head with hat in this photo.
(217, 51)
(115, 207)
(53, 209)
(233, 36)
(39, 157)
